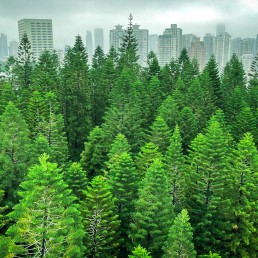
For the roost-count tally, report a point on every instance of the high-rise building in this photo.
(220, 29)
(222, 50)
(247, 60)
(39, 32)
(248, 46)
(3, 46)
(209, 42)
(235, 46)
(187, 40)
(169, 44)
(197, 51)
(153, 43)
(89, 44)
(116, 37)
(13, 48)
(141, 36)
(256, 44)
(99, 38)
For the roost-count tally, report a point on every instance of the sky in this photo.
(73, 17)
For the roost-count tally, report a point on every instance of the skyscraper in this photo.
(39, 32)
(99, 38)
(3, 46)
(13, 49)
(116, 37)
(235, 46)
(141, 36)
(89, 44)
(248, 46)
(153, 43)
(209, 42)
(169, 44)
(187, 40)
(197, 51)
(222, 50)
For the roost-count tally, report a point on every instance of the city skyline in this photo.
(70, 20)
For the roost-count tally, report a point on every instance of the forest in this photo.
(110, 159)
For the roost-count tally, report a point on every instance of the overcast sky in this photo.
(73, 17)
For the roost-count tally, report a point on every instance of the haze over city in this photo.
(71, 18)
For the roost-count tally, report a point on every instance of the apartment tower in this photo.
(39, 32)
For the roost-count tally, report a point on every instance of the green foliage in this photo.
(47, 222)
(180, 238)
(8, 247)
(209, 180)
(244, 199)
(100, 220)
(94, 154)
(24, 64)
(45, 76)
(140, 252)
(7, 94)
(153, 211)
(160, 134)
(174, 161)
(14, 151)
(210, 255)
(76, 179)
(76, 98)
(149, 152)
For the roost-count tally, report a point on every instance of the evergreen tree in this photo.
(122, 178)
(153, 68)
(168, 110)
(76, 98)
(144, 159)
(14, 151)
(100, 220)
(188, 126)
(180, 238)
(7, 94)
(47, 222)
(128, 49)
(95, 153)
(153, 211)
(213, 73)
(45, 76)
(76, 179)
(174, 161)
(160, 134)
(244, 200)
(209, 179)
(140, 252)
(245, 122)
(24, 65)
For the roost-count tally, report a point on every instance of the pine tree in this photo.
(24, 65)
(45, 76)
(144, 159)
(160, 134)
(122, 178)
(76, 98)
(47, 222)
(168, 110)
(209, 180)
(7, 94)
(14, 151)
(188, 126)
(140, 252)
(174, 161)
(180, 238)
(153, 211)
(128, 49)
(244, 200)
(76, 179)
(101, 222)
(95, 153)
(213, 72)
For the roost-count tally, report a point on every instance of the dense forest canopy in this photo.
(110, 159)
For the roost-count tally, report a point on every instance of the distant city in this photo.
(166, 46)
